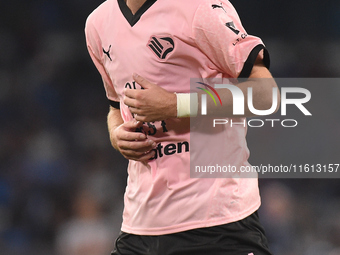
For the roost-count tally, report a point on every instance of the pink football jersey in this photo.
(169, 42)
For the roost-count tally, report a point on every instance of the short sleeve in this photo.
(94, 47)
(219, 34)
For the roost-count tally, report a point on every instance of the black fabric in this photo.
(243, 237)
(114, 104)
(133, 18)
(248, 65)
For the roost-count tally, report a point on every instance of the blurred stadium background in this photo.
(61, 183)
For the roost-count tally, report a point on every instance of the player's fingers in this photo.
(127, 131)
(131, 125)
(137, 146)
(138, 156)
(130, 93)
(131, 136)
(144, 83)
(130, 102)
(147, 156)
(137, 111)
(143, 157)
(143, 118)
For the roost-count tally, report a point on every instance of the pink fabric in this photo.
(160, 197)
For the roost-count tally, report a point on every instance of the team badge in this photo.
(161, 46)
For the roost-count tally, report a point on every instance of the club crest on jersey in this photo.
(161, 46)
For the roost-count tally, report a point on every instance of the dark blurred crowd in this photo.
(61, 182)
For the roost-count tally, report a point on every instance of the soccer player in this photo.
(146, 53)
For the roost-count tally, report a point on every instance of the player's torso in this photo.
(158, 46)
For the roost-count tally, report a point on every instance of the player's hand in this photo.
(131, 144)
(152, 103)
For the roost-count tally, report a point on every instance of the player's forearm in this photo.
(261, 83)
(114, 120)
(153, 103)
(262, 99)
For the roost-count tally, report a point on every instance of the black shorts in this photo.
(244, 237)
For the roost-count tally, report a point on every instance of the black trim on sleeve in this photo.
(248, 65)
(114, 104)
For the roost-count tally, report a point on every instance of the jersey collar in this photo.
(133, 18)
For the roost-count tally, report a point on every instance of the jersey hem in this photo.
(190, 225)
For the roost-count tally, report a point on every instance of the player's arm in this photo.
(154, 103)
(262, 84)
(124, 138)
(231, 53)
